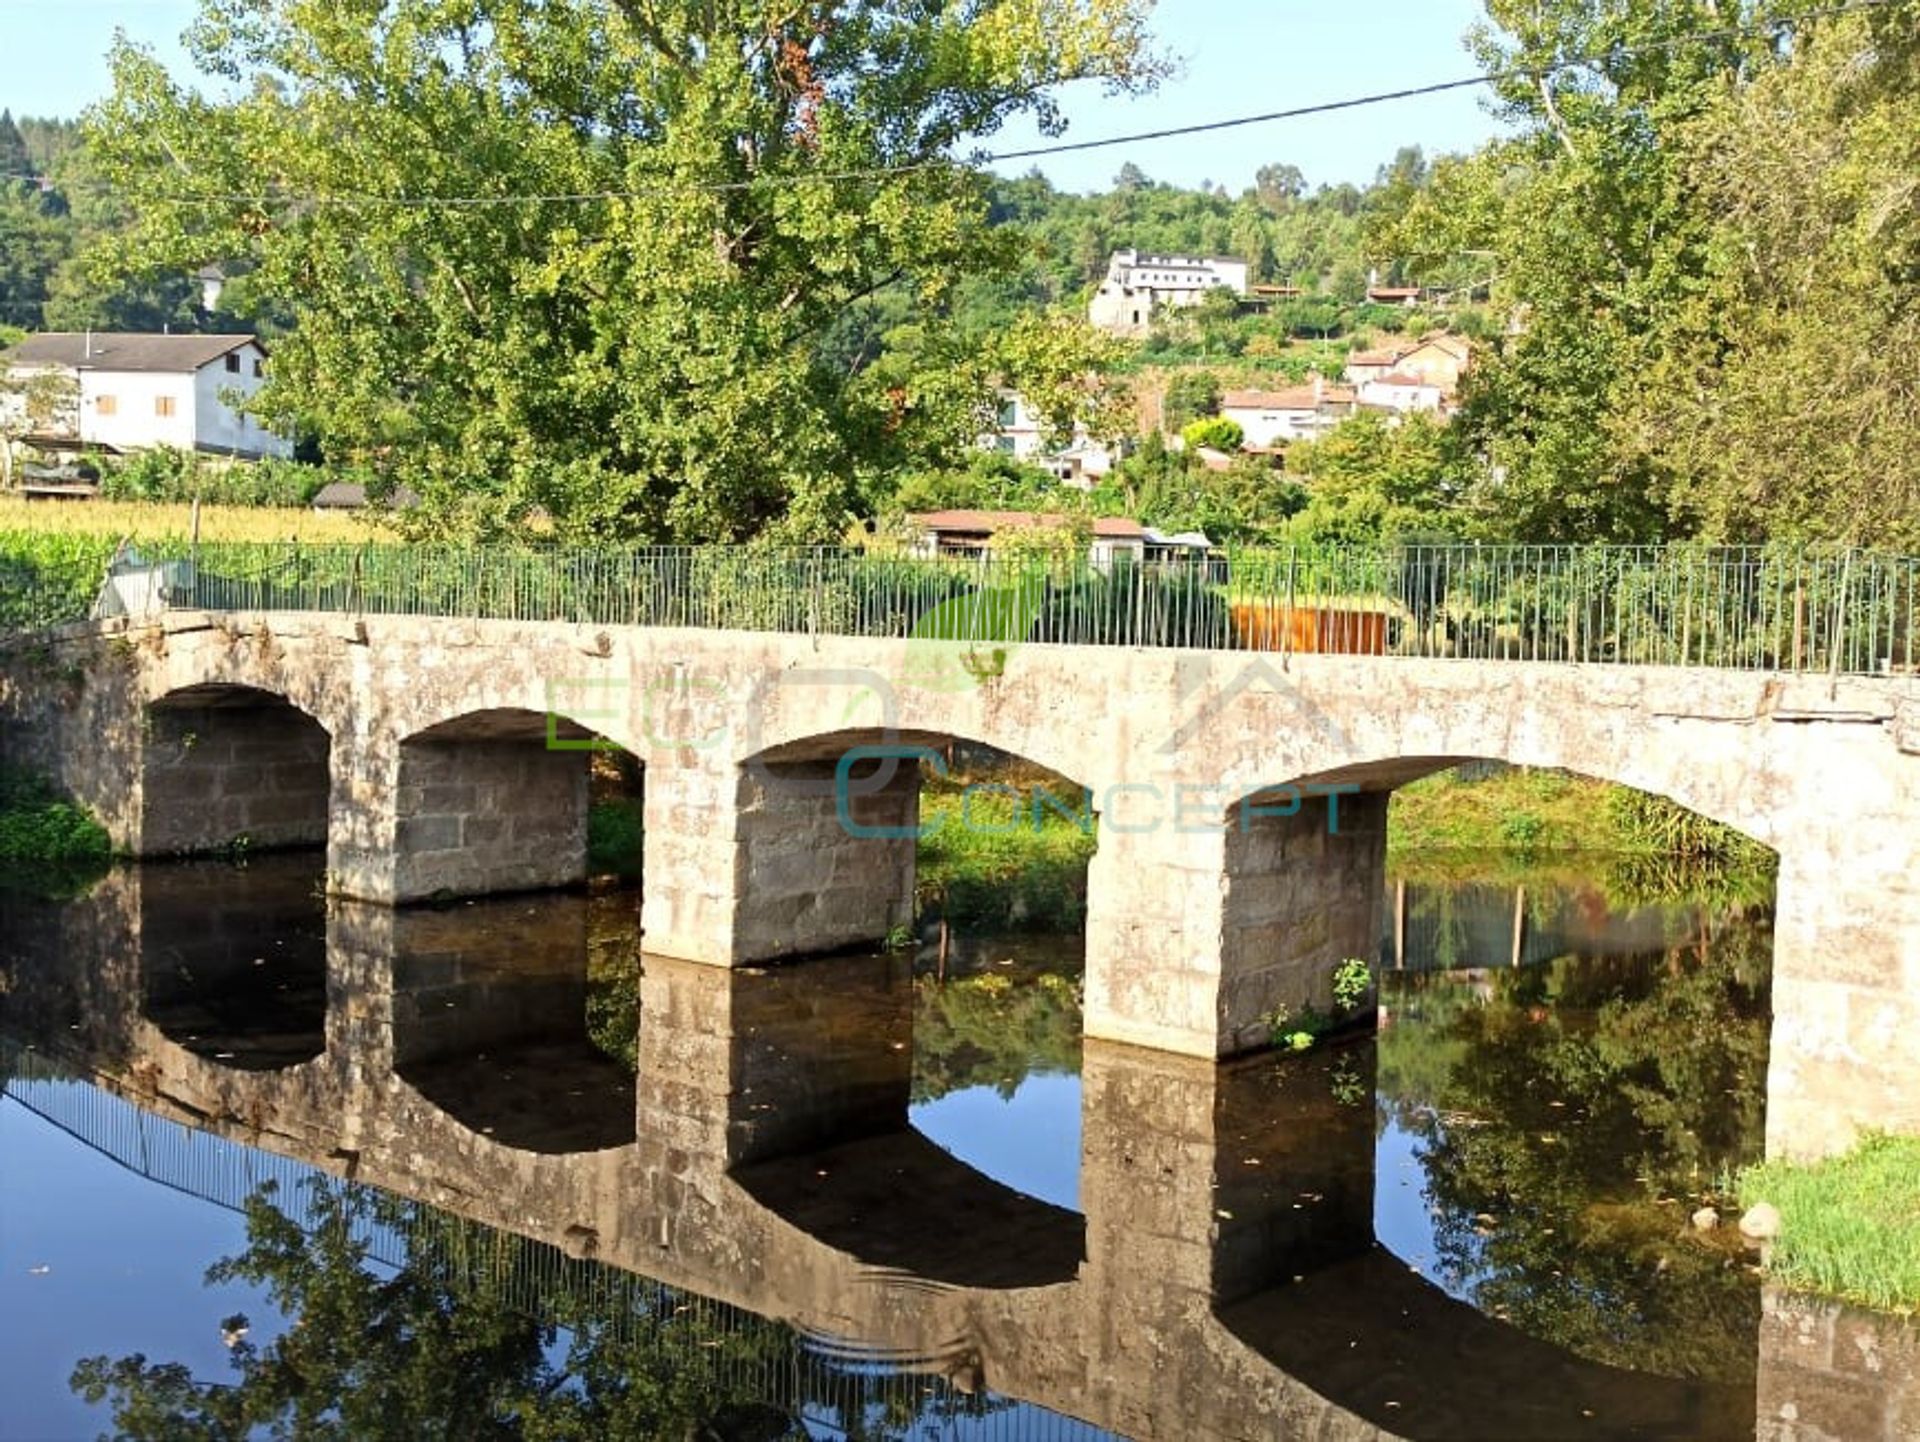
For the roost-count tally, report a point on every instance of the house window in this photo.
(106, 406)
(259, 369)
(163, 407)
(233, 363)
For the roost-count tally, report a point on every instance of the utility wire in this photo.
(880, 172)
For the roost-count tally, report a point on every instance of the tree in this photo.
(1213, 433)
(1779, 414)
(646, 362)
(1368, 480)
(1190, 395)
(1279, 186)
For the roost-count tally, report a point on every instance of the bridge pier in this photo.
(1200, 931)
(777, 859)
(1846, 995)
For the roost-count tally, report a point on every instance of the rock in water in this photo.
(1761, 1222)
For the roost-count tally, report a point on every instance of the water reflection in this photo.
(1476, 1226)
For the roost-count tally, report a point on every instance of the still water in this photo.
(481, 1171)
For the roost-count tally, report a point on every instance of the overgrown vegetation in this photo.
(994, 858)
(40, 826)
(1533, 812)
(1849, 1225)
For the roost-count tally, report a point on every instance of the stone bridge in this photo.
(760, 1155)
(1241, 799)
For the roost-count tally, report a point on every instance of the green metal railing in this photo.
(1770, 608)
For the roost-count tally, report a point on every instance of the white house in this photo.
(1401, 393)
(1138, 284)
(1299, 413)
(1022, 434)
(135, 391)
(1113, 539)
(1438, 360)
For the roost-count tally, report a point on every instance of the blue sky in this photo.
(1239, 57)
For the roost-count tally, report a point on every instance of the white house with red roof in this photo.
(1298, 413)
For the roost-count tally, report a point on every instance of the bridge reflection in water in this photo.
(1221, 1280)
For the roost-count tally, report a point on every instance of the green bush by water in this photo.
(1849, 1225)
(39, 825)
(614, 831)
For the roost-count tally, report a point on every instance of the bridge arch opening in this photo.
(493, 1023)
(232, 768)
(1573, 1041)
(513, 800)
(852, 838)
(973, 863)
(233, 960)
(1306, 884)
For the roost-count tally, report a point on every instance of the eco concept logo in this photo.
(966, 639)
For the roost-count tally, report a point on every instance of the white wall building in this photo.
(1300, 413)
(1022, 434)
(1138, 284)
(1401, 393)
(138, 391)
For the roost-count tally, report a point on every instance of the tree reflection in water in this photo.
(447, 1344)
(1570, 1117)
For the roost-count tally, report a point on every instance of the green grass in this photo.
(990, 860)
(1849, 1225)
(1534, 811)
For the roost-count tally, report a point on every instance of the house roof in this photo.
(1392, 292)
(351, 496)
(125, 350)
(1401, 378)
(1373, 357)
(1294, 398)
(987, 522)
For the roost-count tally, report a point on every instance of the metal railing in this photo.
(1772, 608)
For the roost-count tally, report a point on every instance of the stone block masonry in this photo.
(250, 775)
(443, 782)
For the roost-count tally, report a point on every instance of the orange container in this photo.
(1310, 630)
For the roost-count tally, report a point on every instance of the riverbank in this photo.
(1849, 1226)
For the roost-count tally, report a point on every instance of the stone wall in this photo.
(252, 773)
(480, 817)
(1831, 1374)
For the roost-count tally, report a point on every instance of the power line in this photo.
(881, 172)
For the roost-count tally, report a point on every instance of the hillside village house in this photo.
(1137, 285)
(128, 392)
(1299, 413)
(1438, 360)
(1022, 434)
(1401, 394)
(971, 533)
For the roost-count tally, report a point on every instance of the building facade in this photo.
(1138, 285)
(132, 392)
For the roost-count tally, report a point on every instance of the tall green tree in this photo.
(1598, 232)
(1784, 410)
(582, 258)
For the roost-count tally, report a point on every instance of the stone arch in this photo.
(1303, 877)
(493, 800)
(227, 765)
(828, 826)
